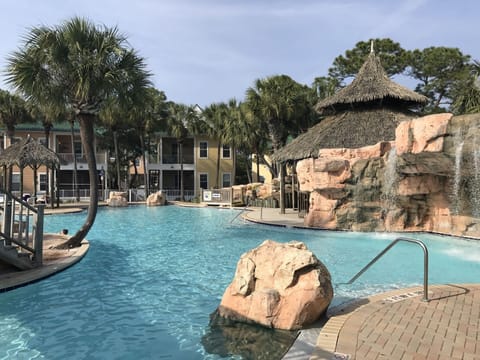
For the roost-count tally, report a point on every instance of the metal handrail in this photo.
(425, 263)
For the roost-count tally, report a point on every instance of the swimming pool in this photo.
(153, 275)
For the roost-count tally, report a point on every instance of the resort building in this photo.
(201, 155)
(70, 151)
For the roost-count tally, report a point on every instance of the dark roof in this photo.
(363, 113)
(349, 129)
(57, 126)
(29, 152)
(371, 84)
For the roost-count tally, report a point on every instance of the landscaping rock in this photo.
(156, 199)
(117, 199)
(283, 286)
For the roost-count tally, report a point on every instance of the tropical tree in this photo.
(180, 121)
(215, 116)
(77, 65)
(439, 70)
(47, 117)
(467, 94)
(393, 57)
(254, 139)
(13, 110)
(285, 107)
(112, 117)
(146, 114)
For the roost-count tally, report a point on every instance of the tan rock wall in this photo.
(352, 189)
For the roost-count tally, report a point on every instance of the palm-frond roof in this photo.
(371, 84)
(363, 113)
(29, 152)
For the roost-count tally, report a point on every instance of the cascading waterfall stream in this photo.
(390, 179)
(476, 177)
(458, 172)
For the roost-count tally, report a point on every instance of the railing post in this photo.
(425, 263)
(38, 235)
(7, 215)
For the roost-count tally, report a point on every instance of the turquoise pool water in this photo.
(153, 275)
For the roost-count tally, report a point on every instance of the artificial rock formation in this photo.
(117, 199)
(282, 286)
(156, 199)
(427, 179)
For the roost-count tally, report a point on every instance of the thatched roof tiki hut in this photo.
(363, 113)
(27, 153)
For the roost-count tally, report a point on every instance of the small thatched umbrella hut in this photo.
(363, 113)
(28, 152)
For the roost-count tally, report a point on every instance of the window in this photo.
(203, 181)
(42, 182)
(16, 182)
(226, 180)
(43, 141)
(203, 149)
(226, 152)
(78, 149)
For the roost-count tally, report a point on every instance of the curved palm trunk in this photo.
(87, 136)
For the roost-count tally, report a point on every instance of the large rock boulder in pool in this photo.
(117, 199)
(277, 285)
(156, 199)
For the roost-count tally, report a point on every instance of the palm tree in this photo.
(253, 136)
(283, 105)
(147, 110)
(77, 65)
(467, 99)
(180, 121)
(112, 118)
(13, 110)
(215, 117)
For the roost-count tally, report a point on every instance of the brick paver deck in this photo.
(399, 325)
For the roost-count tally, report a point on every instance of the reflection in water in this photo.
(226, 338)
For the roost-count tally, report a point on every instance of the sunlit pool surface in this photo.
(153, 276)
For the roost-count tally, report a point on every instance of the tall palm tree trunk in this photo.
(282, 188)
(117, 159)
(145, 170)
(180, 151)
(87, 136)
(234, 170)
(218, 167)
(258, 167)
(75, 177)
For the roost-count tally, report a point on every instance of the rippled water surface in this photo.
(152, 277)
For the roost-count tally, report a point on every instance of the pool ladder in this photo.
(396, 241)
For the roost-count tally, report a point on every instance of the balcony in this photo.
(67, 158)
(175, 159)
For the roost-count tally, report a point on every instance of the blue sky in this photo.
(205, 51)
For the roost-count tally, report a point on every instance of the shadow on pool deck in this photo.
(54, 261)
